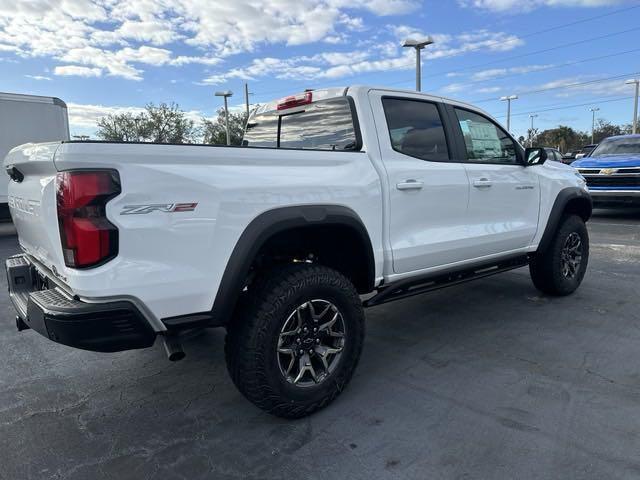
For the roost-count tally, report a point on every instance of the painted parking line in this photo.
(596, 222)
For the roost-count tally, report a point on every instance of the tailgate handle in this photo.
(15, 174)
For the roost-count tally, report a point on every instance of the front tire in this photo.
(560, 269)
(294, 346)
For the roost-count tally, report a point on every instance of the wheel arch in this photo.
(279, 221)
(571, 200)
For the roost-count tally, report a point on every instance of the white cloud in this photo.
(85, 116)
(374, 57)
(117, 36)
(156, 31)
(75, 70)
(489, 89)
(501, 72)
(520, 6)
(596, 88)
(38, 77)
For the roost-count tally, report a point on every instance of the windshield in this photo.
(618, 146)
(324, 125)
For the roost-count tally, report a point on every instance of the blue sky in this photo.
(113, 55)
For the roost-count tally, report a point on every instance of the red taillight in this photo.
(88, 238)
(295, 101)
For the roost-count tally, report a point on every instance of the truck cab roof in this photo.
(313, 95)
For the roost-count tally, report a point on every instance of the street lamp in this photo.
(226, 94)
(246, 98)
(593, 122)
(410, 43)
(508, 100)
(532, 116)
(635, 81)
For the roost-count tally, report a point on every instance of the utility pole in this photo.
(418, 46)
(246, 97)
(508, 100)
(226, 94)
(532, 116)
(593, 123)
(635, 81)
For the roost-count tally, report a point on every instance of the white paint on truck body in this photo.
(172, 263)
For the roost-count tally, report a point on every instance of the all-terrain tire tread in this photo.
(248, 331)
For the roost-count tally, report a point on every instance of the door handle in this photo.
(410, 185)
(482, 183)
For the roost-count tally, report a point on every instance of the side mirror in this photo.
(535, 156)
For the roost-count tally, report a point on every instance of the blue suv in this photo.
(612, 171)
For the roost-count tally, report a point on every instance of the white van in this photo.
(28, 119)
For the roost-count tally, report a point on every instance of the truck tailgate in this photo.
(32, 201)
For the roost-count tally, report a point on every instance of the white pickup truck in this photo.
(338, 199)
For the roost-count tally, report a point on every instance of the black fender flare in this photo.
(565, 197)
(263, 227)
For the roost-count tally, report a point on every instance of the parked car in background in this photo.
(586, 150)
(28, 119)
(612, 171)
(553, 154)
(569, 156)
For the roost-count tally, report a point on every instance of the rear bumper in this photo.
(100, 327)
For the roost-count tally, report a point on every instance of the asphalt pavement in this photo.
(488, 380)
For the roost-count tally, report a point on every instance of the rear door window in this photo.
(416, 129)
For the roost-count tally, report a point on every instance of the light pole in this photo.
(593, 122)
(246, 98)
(532, 116)
(635, 81)
(508, 100)
(410, 43)
(226, 94)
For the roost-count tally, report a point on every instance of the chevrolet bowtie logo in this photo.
(608, 171)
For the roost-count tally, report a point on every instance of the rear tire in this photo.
(280, 353)
(560, 269)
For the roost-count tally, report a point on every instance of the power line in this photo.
(545, 50)
(559, 87)
(551, 67)
(566, 106)
(550, 29)
(531, 34)
(494, 62)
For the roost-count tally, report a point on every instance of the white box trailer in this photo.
(28, 119)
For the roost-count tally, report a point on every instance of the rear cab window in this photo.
(321, 125)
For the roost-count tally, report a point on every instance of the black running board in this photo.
(428, 283)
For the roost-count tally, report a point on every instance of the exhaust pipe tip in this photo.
(176, 356)
(20, 325)
(173, 348)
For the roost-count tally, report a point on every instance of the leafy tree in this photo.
(605, 129)
(563, 137)
(124, 127)
(214, 131)
(164, 123)
(627, 128)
